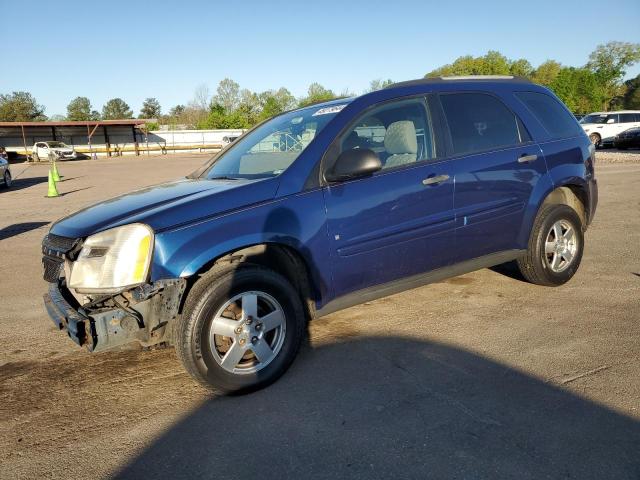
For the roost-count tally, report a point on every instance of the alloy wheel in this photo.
(247, 332)
(560, 246)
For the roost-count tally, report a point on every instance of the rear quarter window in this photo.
(555, 119)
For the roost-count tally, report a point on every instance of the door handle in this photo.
(527, 158)
(435, 180)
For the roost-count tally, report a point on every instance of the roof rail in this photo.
(429, 80)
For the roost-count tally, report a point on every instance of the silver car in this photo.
(5, 172)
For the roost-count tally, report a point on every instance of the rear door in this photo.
(496, 167)
(399, 221)
(629, 120)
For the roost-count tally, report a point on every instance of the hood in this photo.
(167, 205)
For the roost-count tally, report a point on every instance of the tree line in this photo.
(597, 85)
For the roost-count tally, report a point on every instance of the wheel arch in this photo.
(570, 194)
(281, 258)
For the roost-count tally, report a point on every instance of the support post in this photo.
(24, 142)
(135, 140)
(106, 140)
(53, 133)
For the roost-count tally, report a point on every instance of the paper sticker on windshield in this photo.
(327, 110)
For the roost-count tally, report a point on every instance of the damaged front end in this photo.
(101, 322)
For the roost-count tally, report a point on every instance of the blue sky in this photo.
(138, 49)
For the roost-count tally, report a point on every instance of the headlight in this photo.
(113, 260)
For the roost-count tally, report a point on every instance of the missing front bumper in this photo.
(144, 322)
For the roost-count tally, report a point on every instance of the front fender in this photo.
(297, 221)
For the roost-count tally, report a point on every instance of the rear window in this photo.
(479, 122)
(555, 119)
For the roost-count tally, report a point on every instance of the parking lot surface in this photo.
(479, 376)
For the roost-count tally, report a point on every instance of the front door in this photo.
(400, 221)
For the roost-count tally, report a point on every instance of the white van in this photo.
(602, 127)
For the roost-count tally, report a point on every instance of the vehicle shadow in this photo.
(509, 269)
(18, 228)
(381, 407)
(21, 183)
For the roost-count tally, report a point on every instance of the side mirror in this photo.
(611, 120)
(354, 163)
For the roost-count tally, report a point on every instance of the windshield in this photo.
(56, 144)
(598, 118)
(271, 148)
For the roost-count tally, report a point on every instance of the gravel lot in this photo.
(618, 156)
(480, 376)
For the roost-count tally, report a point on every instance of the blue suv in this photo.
(322, 208)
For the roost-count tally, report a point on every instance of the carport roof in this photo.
(83, 123)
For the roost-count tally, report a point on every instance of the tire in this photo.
(35, 157)
(547, 260)
(596, 140)
(6, 179)
(201, 347)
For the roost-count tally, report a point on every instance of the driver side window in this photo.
(399, 133)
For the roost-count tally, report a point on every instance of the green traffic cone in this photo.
(53, 191)
(54, 170)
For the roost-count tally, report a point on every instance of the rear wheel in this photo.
(555, 247)
(240, 329)
(596, 140)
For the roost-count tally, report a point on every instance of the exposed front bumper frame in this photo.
(144, 321)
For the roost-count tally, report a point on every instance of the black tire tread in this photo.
(197, 296)
(530, 265)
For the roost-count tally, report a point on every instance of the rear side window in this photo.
(479, 122)
(555, 119)
(629, 117)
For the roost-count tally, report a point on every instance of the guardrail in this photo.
(137, 149)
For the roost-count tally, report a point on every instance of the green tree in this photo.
(20, 107)
(379, 84)
(228, 95)
(578, 88)
(79, 109)
(521, 68)
(609, 62)
(150, 108)
(116, 109)
(177, 110)
(546, 72)
(492, 63)
(316, 94)
(631, 99)
(217, 118)
(273, 103)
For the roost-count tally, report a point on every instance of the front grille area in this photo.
(51, 269)
(58, 243)
(54, 249)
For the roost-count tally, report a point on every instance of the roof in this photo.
(83, 123)
(462, 78)
(614, 112)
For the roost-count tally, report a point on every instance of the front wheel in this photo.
(595, 139)
(241, 328)
(7, 179)
(555, 247)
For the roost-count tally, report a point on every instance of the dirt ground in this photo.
(480, 376)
